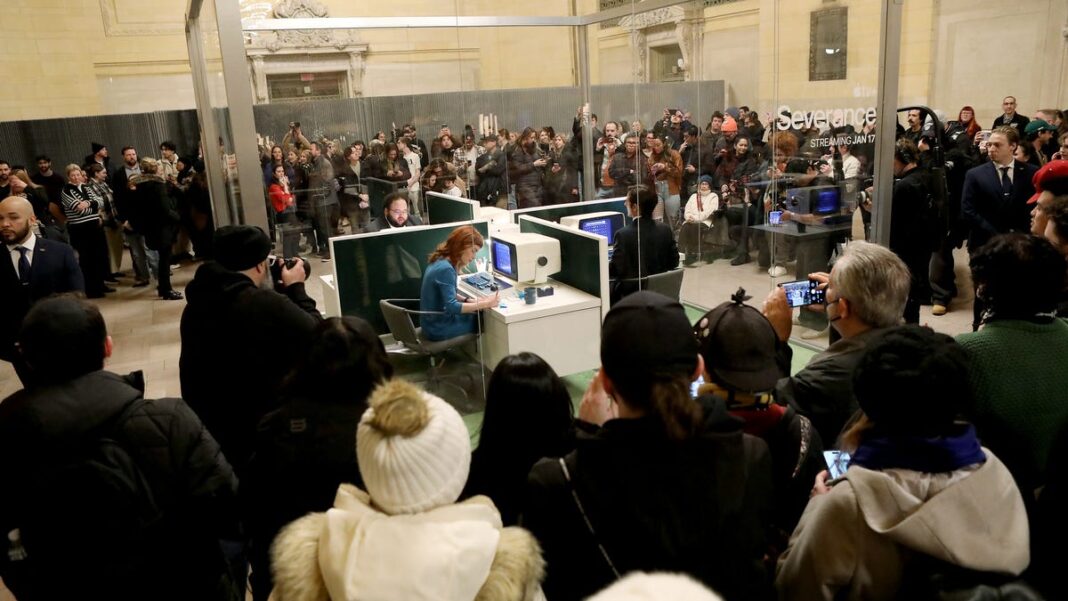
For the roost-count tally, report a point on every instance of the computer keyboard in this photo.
(482, 284)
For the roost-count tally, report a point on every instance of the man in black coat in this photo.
(239, 339)
(1009, 116)
(913, 224)
(643, 248)
(34, 268)
(110, 495)
(995, 195)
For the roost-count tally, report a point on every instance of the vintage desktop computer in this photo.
(525, 257)
(604, 223)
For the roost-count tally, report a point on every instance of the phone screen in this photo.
(837, 463)
(696, 385)
(803, 292)
(775, 217)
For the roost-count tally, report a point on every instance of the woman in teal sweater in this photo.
(1019, 357)
(454, 316)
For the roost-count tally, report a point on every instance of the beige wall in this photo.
(64, 54)
(86, 57)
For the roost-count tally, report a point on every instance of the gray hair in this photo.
(874, 281)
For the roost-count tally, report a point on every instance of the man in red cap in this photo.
(1049, 181)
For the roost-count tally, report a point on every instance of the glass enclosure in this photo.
(764, 129)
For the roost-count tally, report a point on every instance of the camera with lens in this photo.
(276, 263)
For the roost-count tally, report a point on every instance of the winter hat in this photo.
(1053, 176)
(706, 179)
(413, 449)
(739, 346)
(729, 124)
(647, 333)
(97, 147)
(733, 112)
(640, 586)
(240, 247)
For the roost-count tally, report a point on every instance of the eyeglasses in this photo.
(398, 211)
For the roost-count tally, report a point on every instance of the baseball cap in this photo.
(739, 346)
(1037, 125)
(644, 334)
(1052, 176)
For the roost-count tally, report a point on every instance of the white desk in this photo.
(331, 301)
(564, 329)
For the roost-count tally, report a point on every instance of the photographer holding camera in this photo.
(239, 331)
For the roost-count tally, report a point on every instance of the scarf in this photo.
(929, 455)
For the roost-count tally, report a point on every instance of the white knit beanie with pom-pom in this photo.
(656, 586)
(413, 449)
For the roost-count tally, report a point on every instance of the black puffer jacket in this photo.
(70, 552)
(238, 342)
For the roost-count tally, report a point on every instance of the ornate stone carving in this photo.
(300, 9)
(652, 18)
(304, 50)
(637, 41)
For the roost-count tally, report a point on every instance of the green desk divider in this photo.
(378, 190)
(583, 257)
(555, 212)
(442, 208)
(387, 264)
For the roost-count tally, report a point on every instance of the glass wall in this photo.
(780, 108)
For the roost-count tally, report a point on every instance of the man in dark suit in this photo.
(995, 195)
(33, 269)
(643, 248)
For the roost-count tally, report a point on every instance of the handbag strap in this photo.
(585, 518)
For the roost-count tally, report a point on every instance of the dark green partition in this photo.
(555, 212)
(442, 208)
(378, 190)
(387, 264)
(583, 257)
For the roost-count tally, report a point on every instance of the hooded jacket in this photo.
(855, 541)
(238, 342)
(458, 552)
(79, 550)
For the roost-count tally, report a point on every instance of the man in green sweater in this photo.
(1019, 357)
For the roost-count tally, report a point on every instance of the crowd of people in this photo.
(694, 449)
(159, 209)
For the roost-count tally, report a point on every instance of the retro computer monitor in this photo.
(604, 223)
(525, 257)
(814, 200)
(825, 200)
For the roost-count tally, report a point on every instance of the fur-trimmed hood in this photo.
(321, 552)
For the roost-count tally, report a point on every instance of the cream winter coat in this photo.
(709, 202)
(450, 553)
(854, 540)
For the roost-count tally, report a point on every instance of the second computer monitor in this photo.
(604, 223)
(525, 257)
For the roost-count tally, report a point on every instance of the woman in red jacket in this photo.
(284, 205)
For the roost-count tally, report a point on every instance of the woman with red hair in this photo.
(451, 314)
(963, 130)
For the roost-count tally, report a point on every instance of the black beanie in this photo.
(239, 247)
(97, 147)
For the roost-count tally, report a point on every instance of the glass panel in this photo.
(219, 152)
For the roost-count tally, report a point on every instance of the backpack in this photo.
(89, 510)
